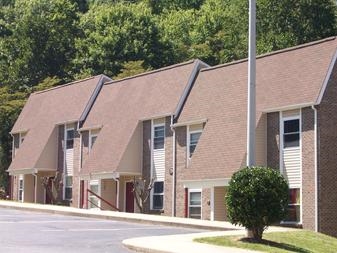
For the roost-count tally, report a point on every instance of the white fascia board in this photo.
(19, 132)
(326, 80)
(288, 107)
(188, 123)
(206, 183)
(28, 171)
(157, 117)
(90, 128)
(102, 175)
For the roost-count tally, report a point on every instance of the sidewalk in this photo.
(164, 244)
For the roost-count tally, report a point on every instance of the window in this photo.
(94, 202)
(70, 138)
(294, 207)
(291, 133)
(194, 138)
(158, 137)
(158, 195)
(68, 188)
(21, 187)
(92, 140)
(194, 204)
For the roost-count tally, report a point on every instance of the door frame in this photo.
(125, 183)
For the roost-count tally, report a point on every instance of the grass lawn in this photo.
(295, 241)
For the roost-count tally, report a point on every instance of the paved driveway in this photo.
(22, 231)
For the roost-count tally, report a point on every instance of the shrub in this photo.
(257, 197)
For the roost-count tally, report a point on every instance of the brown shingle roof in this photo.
(42, 112)
(122, 104)
(285, 78)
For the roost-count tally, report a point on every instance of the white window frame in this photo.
(66, 136)
(189, 133)
(153, 126)
(66, 129)
(188, 142)
(157, 194)
(189, 205)
(65, 187)
(298, 117)
(91, 135)
(95, 182)
(21, 178)
(153, 131)
(281, 127)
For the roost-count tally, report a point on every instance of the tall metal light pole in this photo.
(251, 109)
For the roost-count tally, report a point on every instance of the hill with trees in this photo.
(46, 43)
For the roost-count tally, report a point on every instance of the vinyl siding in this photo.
(292, 166)
(220, 213)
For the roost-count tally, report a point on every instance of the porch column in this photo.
(212, 203)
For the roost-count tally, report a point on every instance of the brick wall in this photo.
(273, 140)
(308, 169)
(146, 170)
(168, 201)
(76, 170)
(180, 167)
(327, 158)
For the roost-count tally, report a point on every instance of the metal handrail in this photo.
(105, 201)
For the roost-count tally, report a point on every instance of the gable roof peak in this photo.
(285, 50)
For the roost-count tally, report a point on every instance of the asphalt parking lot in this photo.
(23, 231)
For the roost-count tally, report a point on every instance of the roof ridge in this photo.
(280, 51)
(153, 71)
(66, 84)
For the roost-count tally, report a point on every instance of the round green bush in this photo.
(257, 197)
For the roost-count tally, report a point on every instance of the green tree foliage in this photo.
(257, 197)
(131, 68)
(38, 41)
(114, 34)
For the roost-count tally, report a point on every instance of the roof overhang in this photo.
(191, 122)
(157, 116)
(288, 107)
(18, 132)
(205, 183)
(28, 171)
(107, 175)
(90, 128)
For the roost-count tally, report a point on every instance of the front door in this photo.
(129, 199)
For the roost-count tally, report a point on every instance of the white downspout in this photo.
(173, 169)
(35, 187)
(316, 167)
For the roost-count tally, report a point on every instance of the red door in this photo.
(129, 199)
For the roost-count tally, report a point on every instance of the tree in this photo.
(131, 68)
(38, 41)
(53, 186)
(113, 34)
(257, 197)
(141, 192)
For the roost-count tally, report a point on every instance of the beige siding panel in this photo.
(132, 158)
(49, 155)
(159, 164)
(108, 193)
(292, 166)
(197, 127)
(220, 213)
(159, 121)
(291, 113)
(28, 188)
(69, 161)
